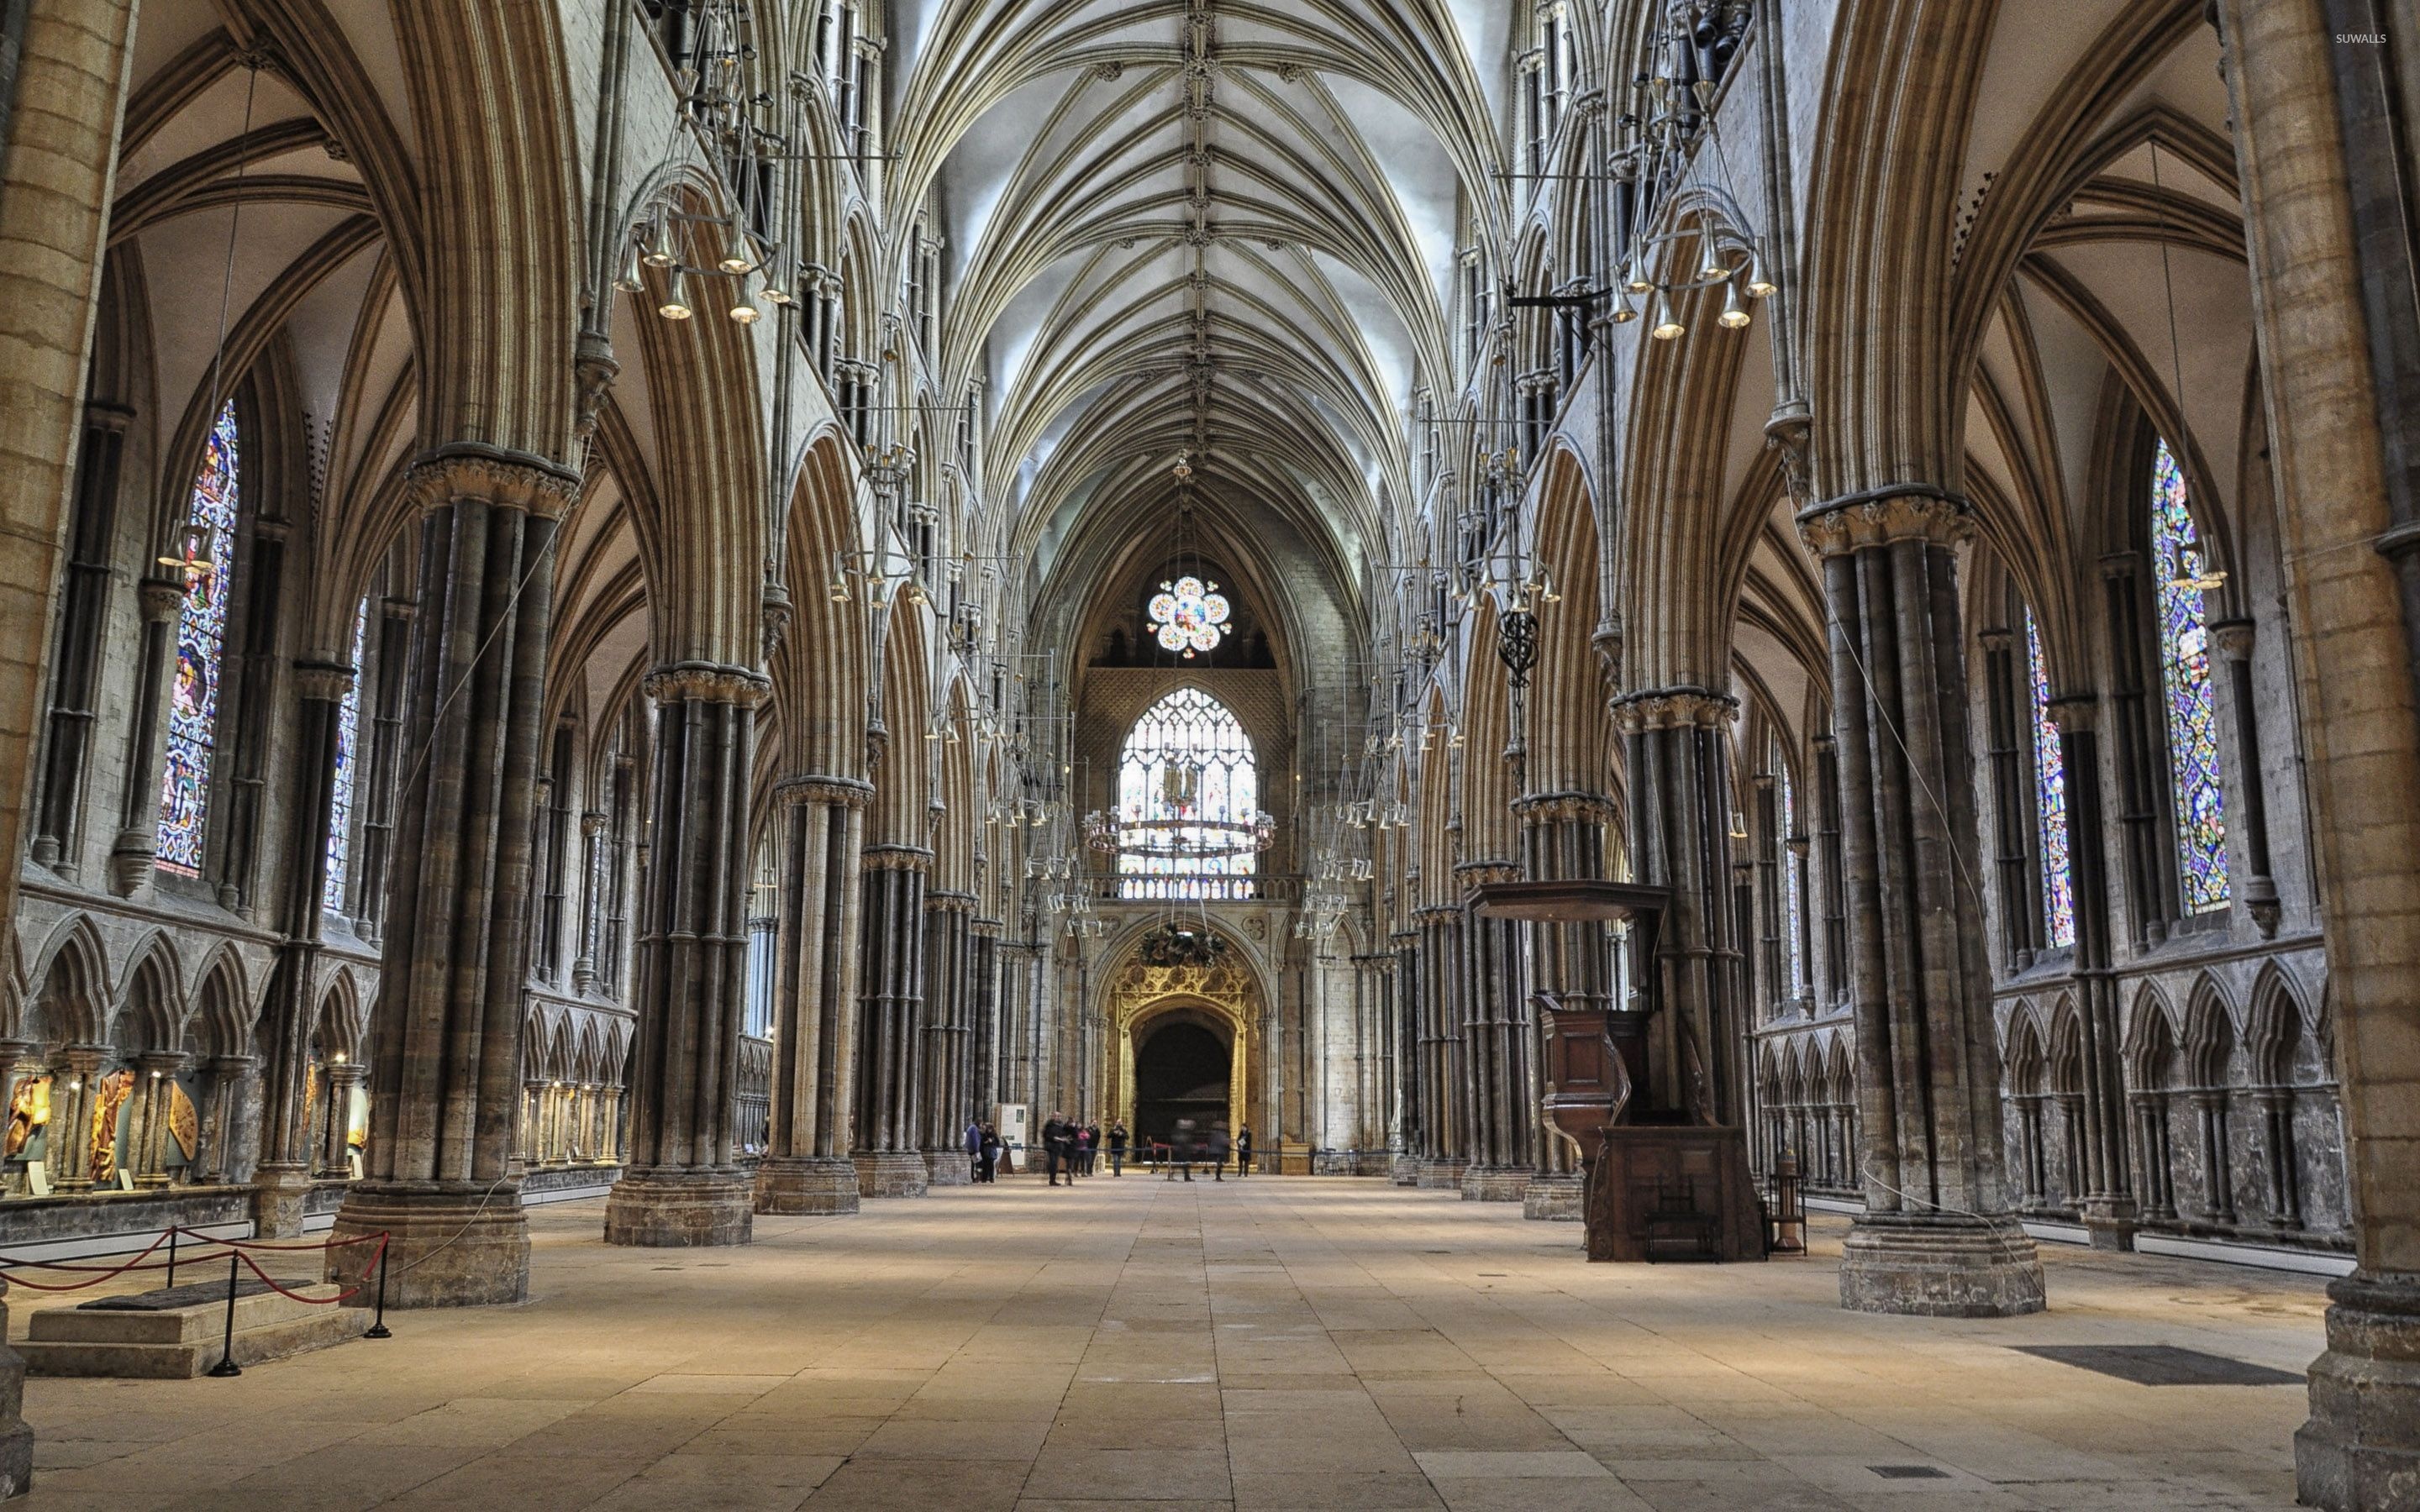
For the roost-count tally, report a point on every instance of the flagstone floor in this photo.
(1276, 1343)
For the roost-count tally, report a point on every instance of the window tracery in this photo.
(201, 644)
(340, 781)
(2050, 798)
(2191, 706)
(1188, 615)
(1189, 802)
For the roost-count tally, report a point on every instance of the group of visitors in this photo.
(1072, 1147)
(1190, 1145)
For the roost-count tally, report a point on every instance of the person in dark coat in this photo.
(987, 1156)
(1244, 1151)
(1055, 1147)
(974, 1147)
(1214, 1151)
(1092, 1148)
(1117, 1146)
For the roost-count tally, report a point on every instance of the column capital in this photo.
(1564, 808)
(707, 682)
(2232, 638)
(491, 474)
(162, 599)
(2075, 713)
(840, 792)
(1880, 516)
(323, 682)
(1673, 708)
(1472, 873)
(949, 902)
(898, 859)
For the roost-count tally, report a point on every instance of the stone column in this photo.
(2321, 133)
(155, 1074)
(526, 1147)
(806, 1167)
(1500, 1103)
(2106, 1204)
(446, 1063)
(2277, 1105)
(1411, 1053)
(609, 1126)
(1562, 840)
(227, 1094)
(2218, 1170)
(984, 980)
(1680, 827)
(1444, 1153)
(137, 843)
(889, 1021)
(2232, 639)
(949, 918)
(284, 1178)
(343, 1079)
(682, 1187)
(59, 160)
(67, 1146)
(2151, 1153)
(1937, 1237)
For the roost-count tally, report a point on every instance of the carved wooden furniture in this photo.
(1662, 1181)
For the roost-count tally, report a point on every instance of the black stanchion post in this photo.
(172, 1258)
(227, 1365)
(378, 1329)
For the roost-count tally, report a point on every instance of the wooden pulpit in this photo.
(1662, 1181)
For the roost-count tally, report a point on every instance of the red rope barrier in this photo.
(228, 1246)
(316, 1301)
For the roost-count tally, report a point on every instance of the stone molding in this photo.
(1673, 708)
(2232, 638)
(707, 682)
(1883, 516)
(1472, 873)
(162, 599)
(493, 476)
(898, 859)
(326, 681)
(949, 902)
(2073, 714)
(1564, 808)
(840, 792)
(989, 929)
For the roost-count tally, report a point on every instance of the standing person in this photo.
(974, 1140)
(1054, 1132)
(1092, 1146)
(1182, 1140)
(1244, 1151)
(987, 1156)
(1217, 1152)
(1117, 1146)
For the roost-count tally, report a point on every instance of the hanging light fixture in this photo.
(1760, 286)
(1735, 315)
(1667, 325)
(675, 302)
(743, 310)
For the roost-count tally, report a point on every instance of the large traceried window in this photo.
(1188, 615)
(340, 781)
(2050, 798)
(1189, 802)
(2192, 704)
(201, 644)
(1793, 891)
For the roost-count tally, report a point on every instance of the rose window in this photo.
(1187, 615)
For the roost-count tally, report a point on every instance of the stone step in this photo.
(180, 1342)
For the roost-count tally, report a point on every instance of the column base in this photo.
(453, 1244)
(1442, 1173)
(952, 1168)
(16, 1436)
(1939, 1267)
(1403, 1170)
(2111, 1222)
(1495, 1183)
(680, 1208)
(892, 1173)
(2360, 1448)
(277, 1200)
(796, 1184)
(1556, 1198)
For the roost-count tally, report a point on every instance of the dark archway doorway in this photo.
(1181, 1072)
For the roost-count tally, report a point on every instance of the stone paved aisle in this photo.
(1258, 1345)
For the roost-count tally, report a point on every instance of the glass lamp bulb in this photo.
(675, 305)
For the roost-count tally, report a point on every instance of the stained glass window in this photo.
(201, 639)
(1189, 802)
(340, 781)
(2184, 674)
(1187, 615)
(1794, 904)
(2050, 798)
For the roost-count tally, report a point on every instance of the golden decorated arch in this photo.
(1139, 999)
